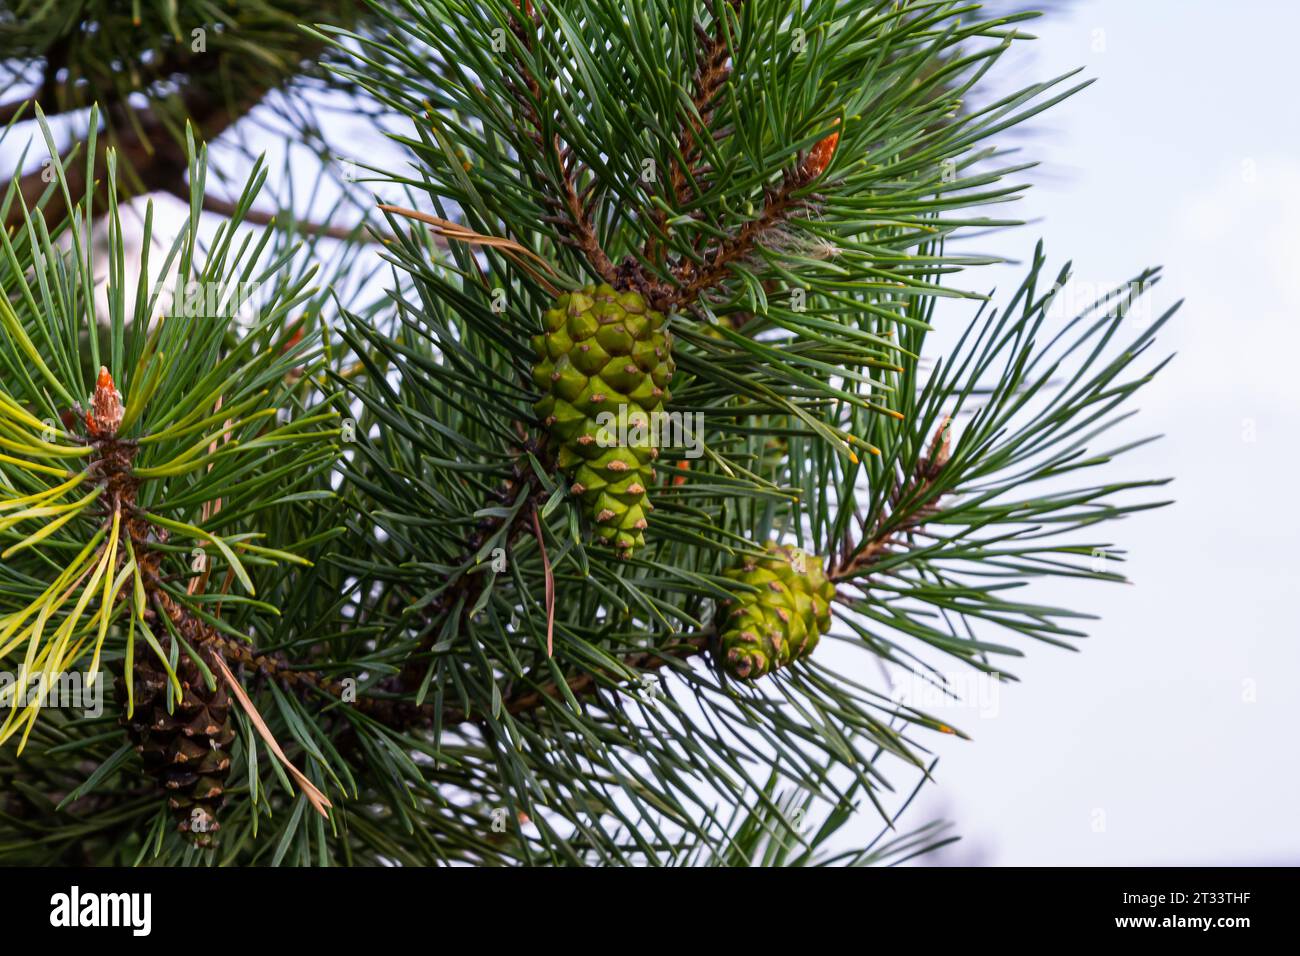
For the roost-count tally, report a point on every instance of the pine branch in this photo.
(695, 280)
(403, 715)
(814, 432)
(681, 649)
(577, 221)
(464, 590)
(574, 218)
(223, 207)
(214, 90)
(713, 67)
(145, 147)
(919, 493)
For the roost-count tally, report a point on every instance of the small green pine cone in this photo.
(783, 619)
(603, 366)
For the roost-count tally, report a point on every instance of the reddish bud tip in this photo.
(106, 410)
(819, 157)
(293, 339)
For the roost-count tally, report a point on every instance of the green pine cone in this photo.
(783, 620)
(604, 364)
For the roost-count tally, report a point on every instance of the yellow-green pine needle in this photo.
(68, 513)
(16, 620)
(111, 587)
(130, 654)
(26, 465)
(185, 426)
(36, 447)
(273, 553)
(55, 656)
(69, 626)
(15, 412)
(39, 496)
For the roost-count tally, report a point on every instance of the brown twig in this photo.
(713, 67)
(884, 536)
(571, 213)
(222, 207)
(579, 222)
(778, 205)
(112, 465)
(586, 683)
(694, 280)
(401, 714)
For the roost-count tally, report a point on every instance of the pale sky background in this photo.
(1171, 739)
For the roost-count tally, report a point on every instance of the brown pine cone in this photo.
(186, 750)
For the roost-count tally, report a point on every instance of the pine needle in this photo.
(309, 790)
